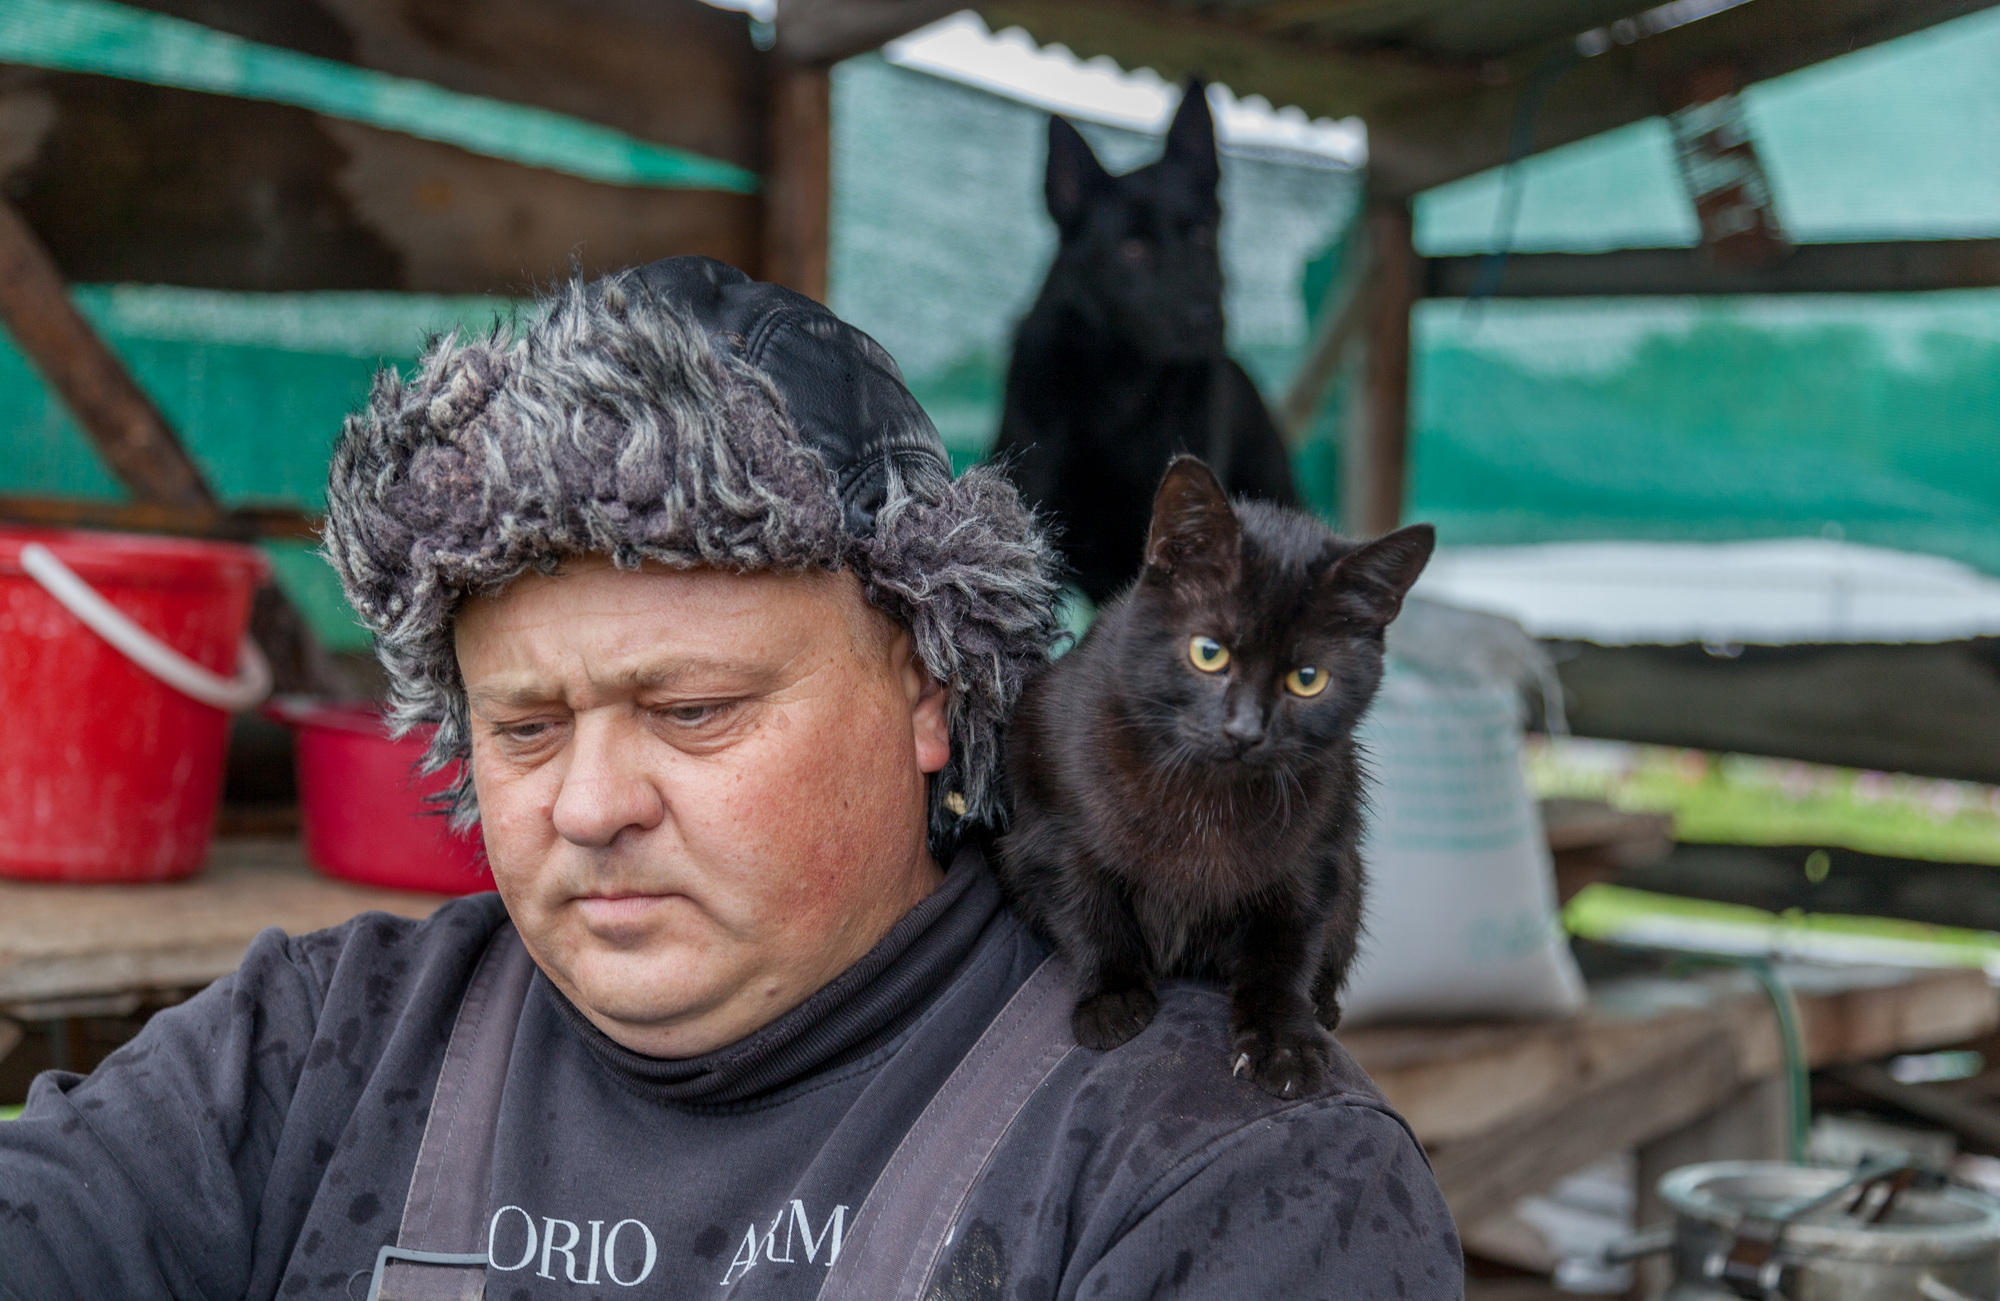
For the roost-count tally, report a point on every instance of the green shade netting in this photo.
(1877, 418)
(256, 384)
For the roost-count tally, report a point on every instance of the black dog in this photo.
(1120, 364)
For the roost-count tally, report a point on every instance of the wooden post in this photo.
(115, 412)
(798, 183)
(1376, 431)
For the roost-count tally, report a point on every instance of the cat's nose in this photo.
(1245, 724)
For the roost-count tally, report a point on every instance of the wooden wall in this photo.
(132, 182)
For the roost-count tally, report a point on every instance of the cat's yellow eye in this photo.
(1208, 654)
(1306, 680)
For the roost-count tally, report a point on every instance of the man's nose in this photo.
(606, 788)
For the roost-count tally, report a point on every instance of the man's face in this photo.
(702, 792)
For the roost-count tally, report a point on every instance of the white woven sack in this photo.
(1461, 918)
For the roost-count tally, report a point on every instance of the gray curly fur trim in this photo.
(611, 426)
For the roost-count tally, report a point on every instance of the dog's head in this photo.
(1138, 251)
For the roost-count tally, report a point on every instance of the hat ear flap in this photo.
(1074, 175)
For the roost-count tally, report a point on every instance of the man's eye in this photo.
(523, 731)
(691, 714)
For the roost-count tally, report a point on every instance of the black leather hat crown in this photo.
(844, 393)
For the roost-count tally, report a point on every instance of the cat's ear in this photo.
(1194, 527)
(1369, 583)
(1074, 175)
(1191, 137)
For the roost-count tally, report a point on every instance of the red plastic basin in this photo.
(366, 811)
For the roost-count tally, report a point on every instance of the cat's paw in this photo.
(1284, 1063)
(1106, 1020)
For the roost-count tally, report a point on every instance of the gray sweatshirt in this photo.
(258, 1140)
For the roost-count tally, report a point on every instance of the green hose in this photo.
(1798, 1075)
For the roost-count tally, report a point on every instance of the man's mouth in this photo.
(616, 911)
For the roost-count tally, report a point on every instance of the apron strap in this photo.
(904, 1225)
(440, 1252)
(908, 1217)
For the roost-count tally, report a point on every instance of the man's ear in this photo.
(930, 710)
(1194, 528)
(1191, 138)
(1369, 583)
(1074, 175)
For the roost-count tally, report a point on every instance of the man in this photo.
(683, 573)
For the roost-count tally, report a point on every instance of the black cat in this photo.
(1187, 796)
(1120, 363)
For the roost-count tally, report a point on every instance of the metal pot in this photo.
(1739, 1232)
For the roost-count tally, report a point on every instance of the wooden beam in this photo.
(1885, 267)
(1426, 140)
(244, 525)
(799, 183)
(1325, 80)
(1342, 308)
(827, 31)
(1375, 436)
(135, 439)
(1681, 1078)
(1978, 1125)
(113, 411)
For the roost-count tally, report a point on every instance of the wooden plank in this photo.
(1888, 266)
(114, 412)
(245, 524)
(1978, 1124)
(134, 438)
(1681, 1077)
(798, 186)
(1426, 140)
(1455, 1082)
(1505, 1115)
(77, 941)
(1343, 308)
(1375, 435)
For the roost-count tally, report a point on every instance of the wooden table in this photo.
(1682, 1070)
(1676, 1068)
(104, 950)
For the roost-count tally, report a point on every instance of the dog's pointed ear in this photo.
(1191, 138)
(1074, 174)
(1194, 527)
(1368, 584)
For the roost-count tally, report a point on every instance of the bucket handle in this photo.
(232, 695)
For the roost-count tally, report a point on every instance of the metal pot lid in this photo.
(1936, 1225)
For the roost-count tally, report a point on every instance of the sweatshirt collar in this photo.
(857, 1012)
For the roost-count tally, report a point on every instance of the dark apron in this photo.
(904, 1225)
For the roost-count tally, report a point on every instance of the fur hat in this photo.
(685, 414)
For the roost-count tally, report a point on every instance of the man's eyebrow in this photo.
(677, 673)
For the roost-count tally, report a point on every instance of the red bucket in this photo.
(106, 772)
(367, 812)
